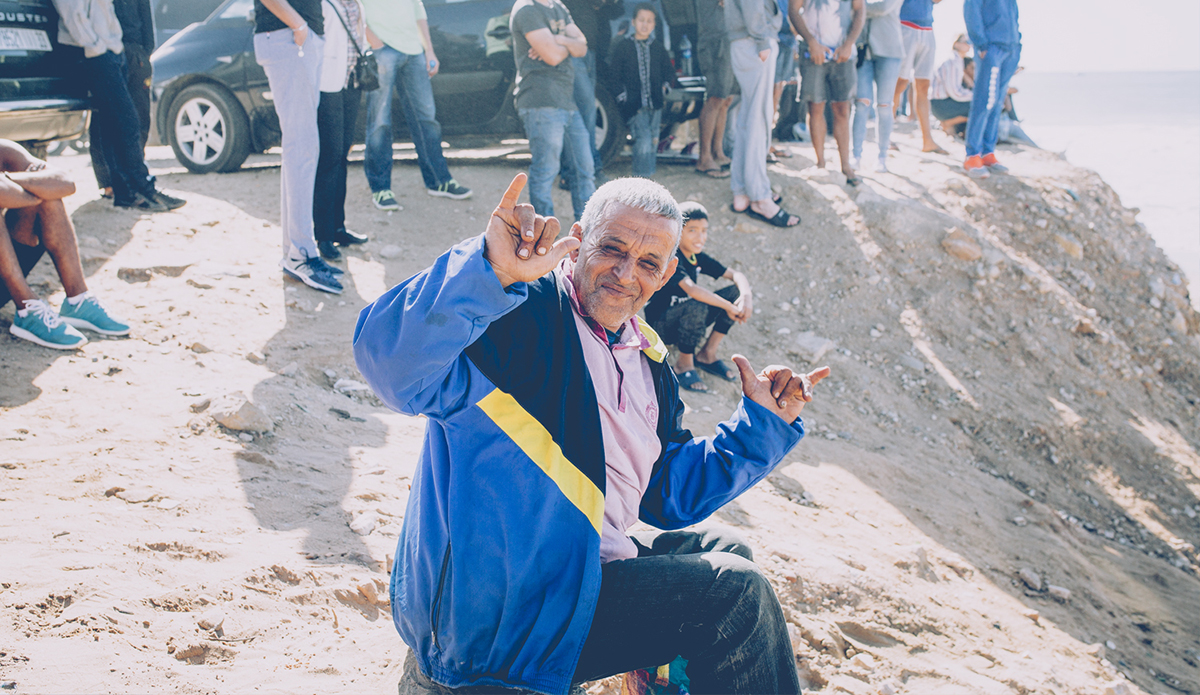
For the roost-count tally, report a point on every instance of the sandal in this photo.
(853, 181)
(717, 173)
(936, 150)
(780, 219)
(738, 212)
(691, 381)
(717, 368)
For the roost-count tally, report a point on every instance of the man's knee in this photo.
(865, 102)
(840, 108)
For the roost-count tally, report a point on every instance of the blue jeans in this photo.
(645, 126)
(876, 80)
(406, 73)
(116, 119)
(585, 101)
(553, 133)
(992, 73)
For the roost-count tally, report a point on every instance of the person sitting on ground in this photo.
(951, 93)
(554, 424)
(683, 311)
(32, 219)
(641, 100)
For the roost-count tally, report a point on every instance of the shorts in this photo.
(919, 45)
(785, 64)
(715, 65)
(829, 81)
(945, 109)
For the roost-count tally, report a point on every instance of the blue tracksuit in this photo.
(497, 570)
(993, 28)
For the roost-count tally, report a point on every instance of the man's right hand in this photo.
(519, 243)
(816, 53)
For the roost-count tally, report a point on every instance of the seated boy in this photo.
(32, 215)
(682, 311)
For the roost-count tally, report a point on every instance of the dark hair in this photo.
(967, 62)
(692, 210)
(645, 6)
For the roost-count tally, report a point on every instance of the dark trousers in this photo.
(685, 325)
(336, 116)
(138, 75)
(695, 595)
(117, 122)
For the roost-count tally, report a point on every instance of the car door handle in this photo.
(501, 33)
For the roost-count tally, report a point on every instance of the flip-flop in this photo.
(717, 173)
(853, 181)
(782, 154)
(935, 150)
(777, 198)
(691, 381)
(718, 368)
(779, 220)
(735, 211)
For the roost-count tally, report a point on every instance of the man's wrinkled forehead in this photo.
(630, 229)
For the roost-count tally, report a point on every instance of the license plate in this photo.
(23, 40)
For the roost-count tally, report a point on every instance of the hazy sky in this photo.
(1094, 35)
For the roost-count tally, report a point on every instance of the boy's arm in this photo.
(701, 294)
(745, 299)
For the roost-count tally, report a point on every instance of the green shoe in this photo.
(385, 200)
(91, 316)
(38, 323)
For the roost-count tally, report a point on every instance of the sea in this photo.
(1141, 132)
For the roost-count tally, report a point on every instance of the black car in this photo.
(40, 98)
(213, 106)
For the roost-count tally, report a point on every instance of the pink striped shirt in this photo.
(628, 419)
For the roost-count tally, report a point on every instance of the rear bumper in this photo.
(43, 120)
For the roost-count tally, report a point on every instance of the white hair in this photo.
(642, 194)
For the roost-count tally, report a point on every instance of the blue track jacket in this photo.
(497, 570)
(992, 22)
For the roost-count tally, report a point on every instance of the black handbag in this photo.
(365, 74)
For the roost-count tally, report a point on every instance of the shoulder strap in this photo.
(349, 33)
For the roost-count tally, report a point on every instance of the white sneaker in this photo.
(881, 167)
(856, 163)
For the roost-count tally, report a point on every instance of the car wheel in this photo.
(208, 130)
(610, 129)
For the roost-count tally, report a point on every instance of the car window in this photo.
(238, 9)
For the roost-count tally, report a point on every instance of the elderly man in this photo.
(554, 424)
(33, 219)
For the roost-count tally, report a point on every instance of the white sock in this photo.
(78, 299)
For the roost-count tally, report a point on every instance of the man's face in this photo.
(620, 265)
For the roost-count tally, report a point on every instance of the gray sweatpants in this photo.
(295, 88)
(756, 78)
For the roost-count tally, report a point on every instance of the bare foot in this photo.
(740, 203)
(722, 161)
(934, 148)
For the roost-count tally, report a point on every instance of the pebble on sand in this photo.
(1032, 579)
(234, 411)
(961, 246)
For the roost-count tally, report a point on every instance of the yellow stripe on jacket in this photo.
(540, 447)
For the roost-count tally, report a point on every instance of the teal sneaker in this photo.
(38, 323)
(91, 316)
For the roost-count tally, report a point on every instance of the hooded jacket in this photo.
(497, 570)
(992, 22)
(89, 24)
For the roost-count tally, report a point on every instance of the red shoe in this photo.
(975, 167)
(993, 165)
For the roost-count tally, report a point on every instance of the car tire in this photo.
(208, 130)
(610, 128)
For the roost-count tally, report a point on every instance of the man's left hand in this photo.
(431, 63)
(843, 52)
(778, 388)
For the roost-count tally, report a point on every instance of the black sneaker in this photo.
(450, 189)
(313, 272)
(345, 237)
(328, 250)
(170, 201)
(141, 203)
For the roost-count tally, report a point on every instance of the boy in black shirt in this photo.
(682, 311)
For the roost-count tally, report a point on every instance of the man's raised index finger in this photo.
(509, 200)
